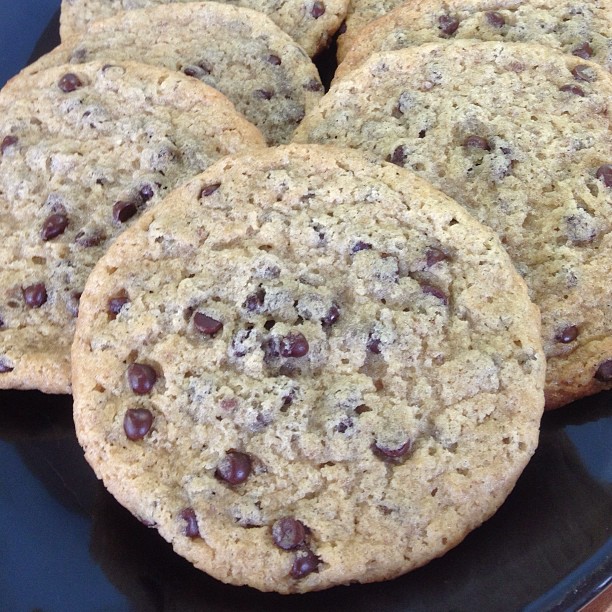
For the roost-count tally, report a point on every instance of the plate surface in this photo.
(67, 545)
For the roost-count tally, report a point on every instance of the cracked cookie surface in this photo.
(311, 23)
(239, 52)
(306, 369)
(520, 135)
(83, 150)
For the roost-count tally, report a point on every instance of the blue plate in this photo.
(66, 545)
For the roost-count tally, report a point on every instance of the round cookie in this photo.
(520, 135)
(323, 371)
(240, 52)
(311, 23)
(83, 149)
(583, 28)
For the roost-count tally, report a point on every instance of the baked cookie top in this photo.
(520, 135)
(583, 29)
(306, 369)
(240, 52)
(84, 149)
(311, 23)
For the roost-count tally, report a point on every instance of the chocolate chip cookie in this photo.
(520, 135)
(240, 52)
(310, 23)
(307, 369)
(583, 29)
(83, 151)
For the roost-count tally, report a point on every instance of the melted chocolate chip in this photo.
(137, 423)
(288, 533)
(305, 563)
(313, 85)
(146, 192)
(332, 316)
(263, 94)
(206, 325)
(255, 301)
(8, 141)
(123, 211)
(392, 453)
(54, 226)
(398, 157)
(273, 59)
(567, 335)
(436, 292)
(35, 295)
(477, 142)
(209, 190)
(604, 173)
(141, 378)
(434, 256)
(318, 9)
(234, 468)
(604, 372)
(361, 246)
(191, 528)
(116, 303)
(294, 345)
(573, 89)
(448, 25)
(495, 19)
(373, 345)
(88, 239)
(69, 82)
(585, 51)
(583, 73)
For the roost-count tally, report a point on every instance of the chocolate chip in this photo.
(318, 9)
(5, 368)
(585, 51)
(332, 316)
(209, 190)
(584, 73)
(193, 71)
(137, 423)
(288, 398)
(255, 301)
(271, 349)
(361, 246)
(436, 292)
(72, 303)
(604, 173)
(91, 238)
(8, 141)
(373, 345)
(342, 28)
(206, 325)
(234, 468)
(362, 409)
(273, 59)
(191, 528)
(54, 226)
(604, 371)
(567, 335)
(69, 82)
(146, 192)
(141, 378)
(573, 89)
(116, 303)
(123, 210)
(313, 85)
(263, 94)
(288, 533)
(305, 563)
(294, 345)
(496, 19)
(392, 453)
(477, 142)
(35, 295)
(448, 25)
(398, 157)
(434, 256)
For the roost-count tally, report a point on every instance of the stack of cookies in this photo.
(307, 365)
